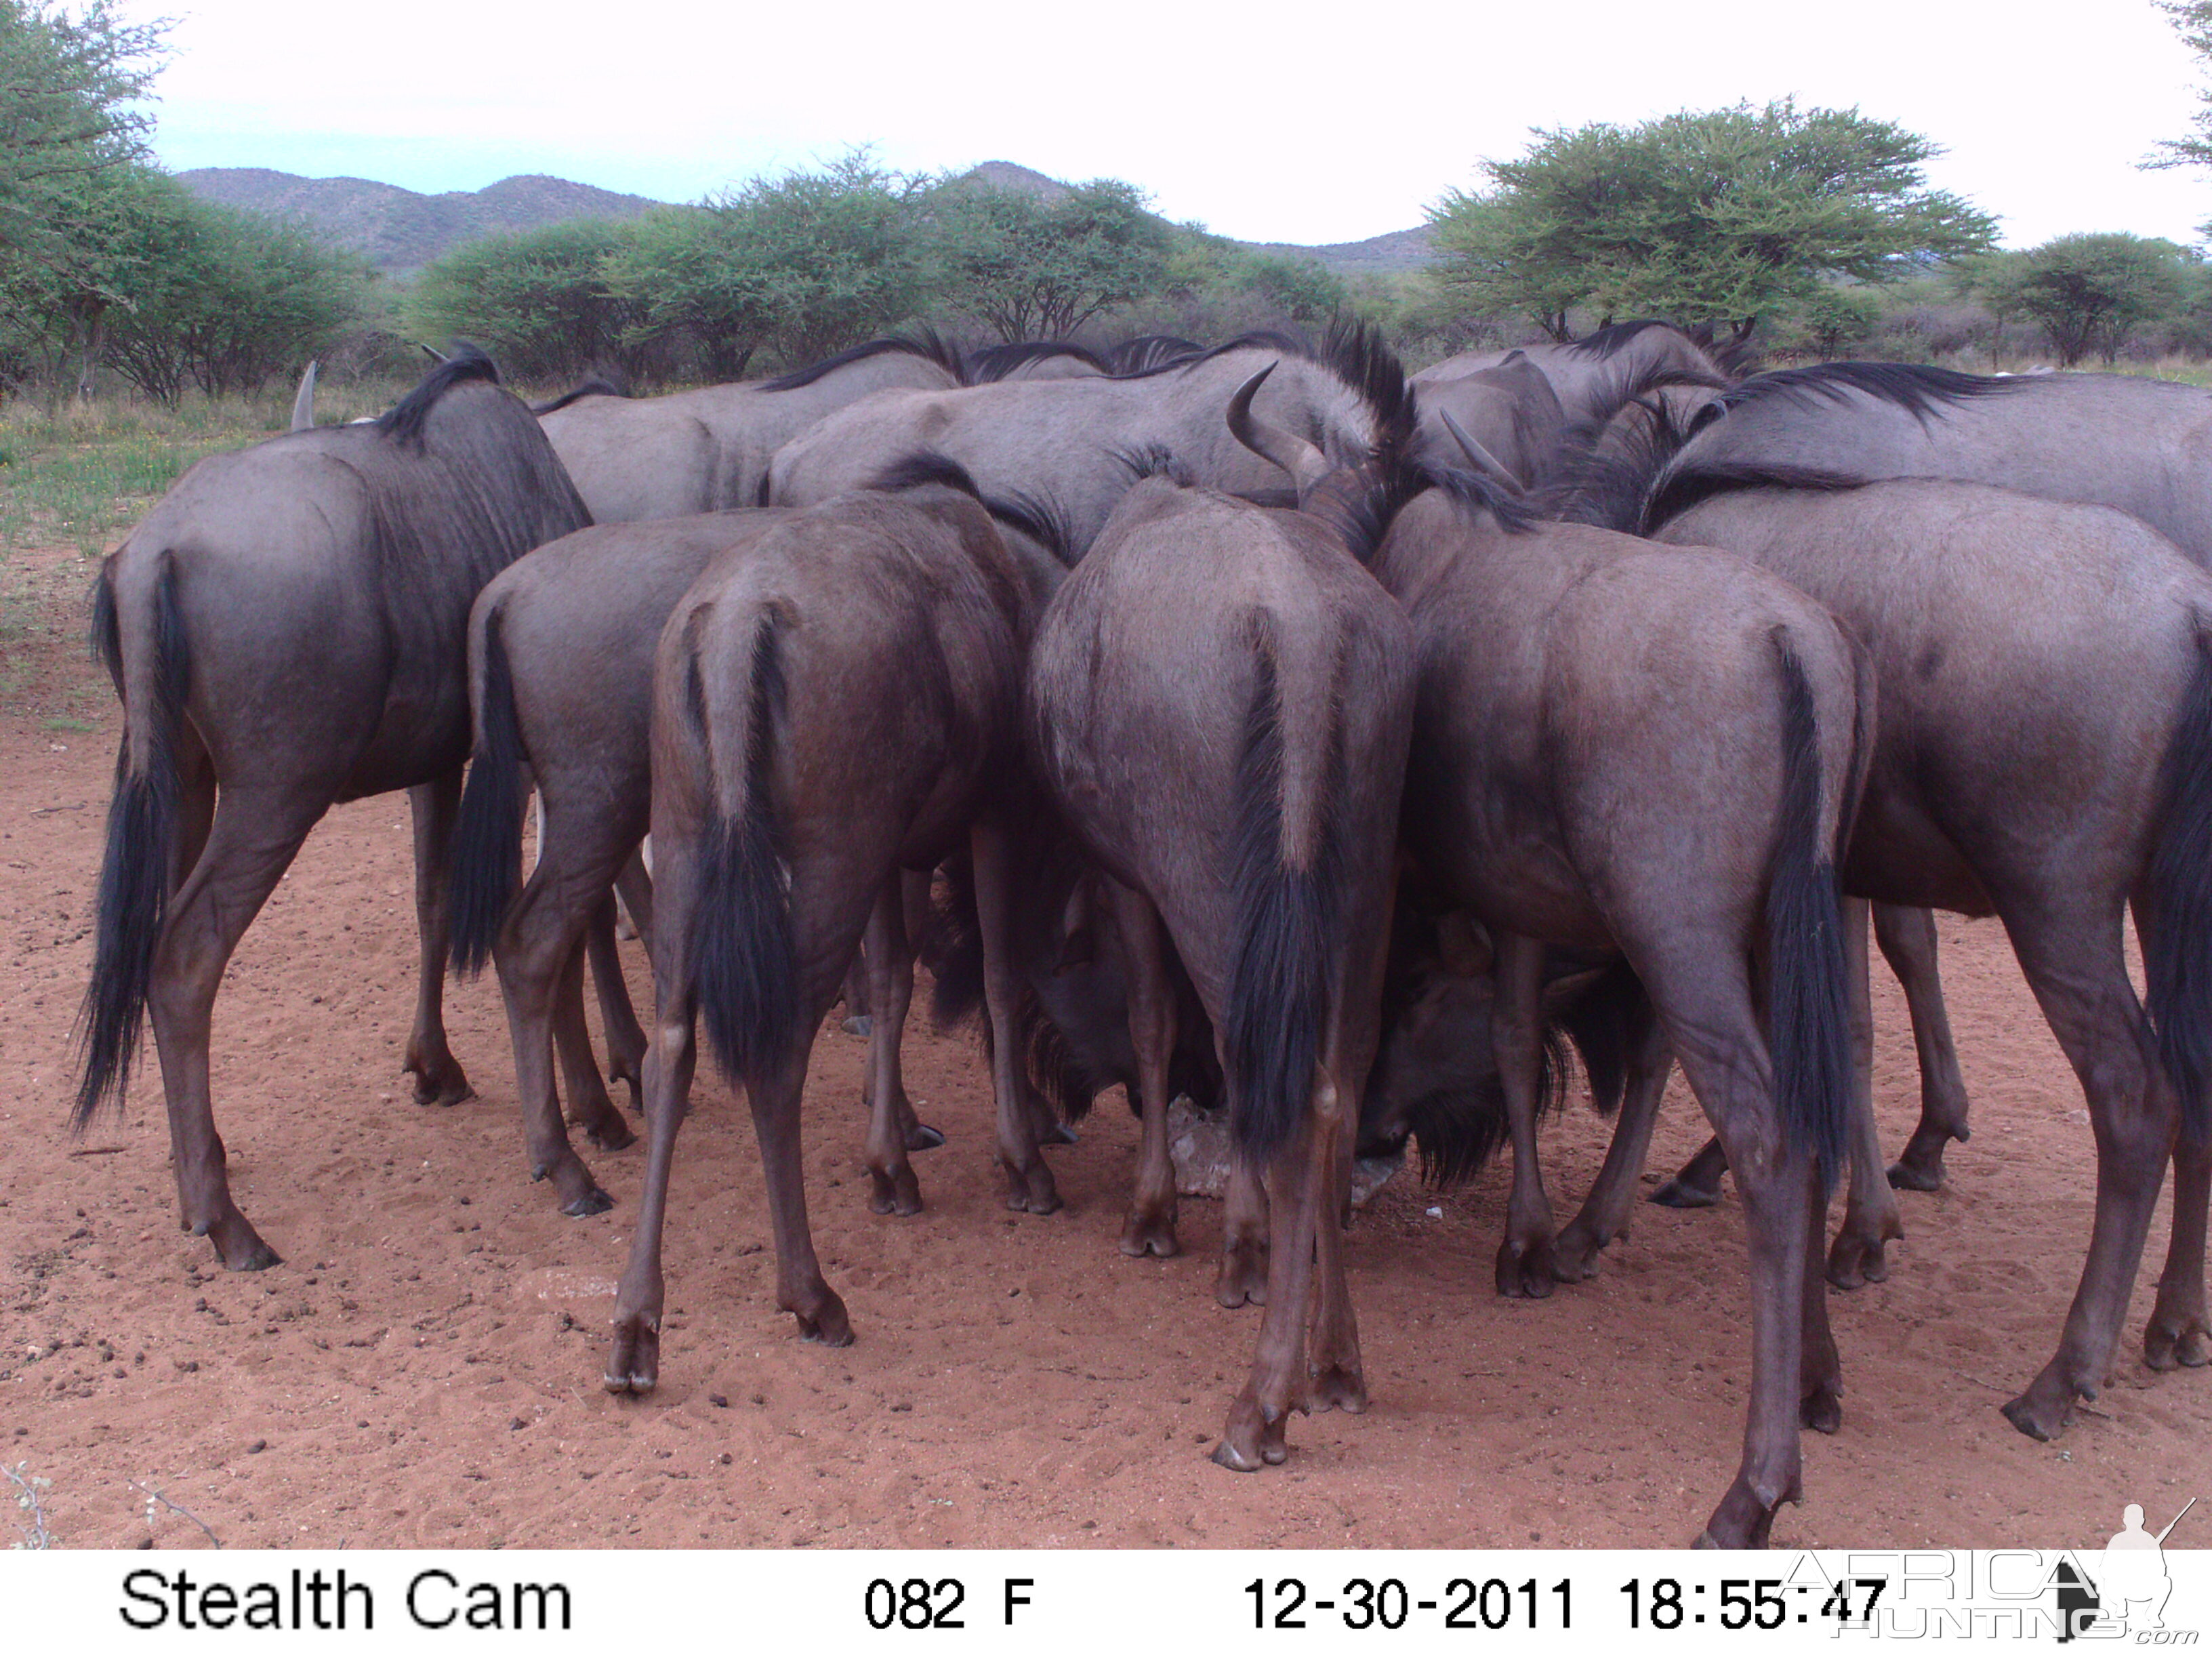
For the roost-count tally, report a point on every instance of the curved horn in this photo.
(1484, 461)
(436, 355)
(1307, 465)
(303, 400)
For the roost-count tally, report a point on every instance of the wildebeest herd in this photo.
(1249, 723)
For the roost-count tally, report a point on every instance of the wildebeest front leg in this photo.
(1907, 938)
(2072, 959)
(1151, 1227)
(1524, 1259)
(252, 839)
(2178, 1333)
(438, 1076)
(914, 894)
(890, 971)
(1604, 1214)
(1028, 1177)
(1870, 1216)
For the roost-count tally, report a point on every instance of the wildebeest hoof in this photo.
(859, 1025)
(1821, 1411)
(240, 1247)
(923, 1139)
(1059, 1135)
(828, 1325)
(1250, 1439)
(1525, 1269)
(1032, 1190)
(1855, 1260)
(1150, 1233)
(609, 1133)
(1574, 1252)
(439, 1080)
(1243, 1276)
(1681, 1194)
(1337, 1387)
(593, 1200)
(2043, 1411)
(1919, 1167)
(1912, 1178)
(634, 1366)
(1741, 1521)
(2169, 1341)
(896, 1193)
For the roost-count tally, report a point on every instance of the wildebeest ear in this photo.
(1464, 943)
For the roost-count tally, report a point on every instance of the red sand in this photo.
(423, 1369)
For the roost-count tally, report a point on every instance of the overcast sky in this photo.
(1296, 122)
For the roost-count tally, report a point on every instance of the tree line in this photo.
(1811, 232)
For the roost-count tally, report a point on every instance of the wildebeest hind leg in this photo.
(439, 1080)
(1908, 941)
(1303, 1185)
(1604, 1214)
(617, 1019)
(2178, 1333)
(591, 1108)
(1339, 1381)
(2069, 948)
(1871, 1218)
(890, 971)
(801, 1290)
(1029, 1184)
(536, 953)
(1524, 1259)
(1697, 1184)
(253, 837)
(634, 1361)
(1150, 1229)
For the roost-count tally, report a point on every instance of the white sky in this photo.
(1295, 122)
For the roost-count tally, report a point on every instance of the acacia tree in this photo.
(535, 299)
(2088, 292)
(1722, 216)
(1034, 268)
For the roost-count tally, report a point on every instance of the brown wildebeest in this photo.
(1510, 411)
(2044, 756)
(561, 675)
(834, 704)
(1219, 701)
(708, 449)
(1621, 748)
(285, 630)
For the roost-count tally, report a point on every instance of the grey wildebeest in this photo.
(1073, 439)
(1585, 374)
(833, 705)
(2045, 755)
(708, 449)
(1621, 748)
(285, 630)
(1510, 412)
(2115, 441)
(1219, 704)
(560, 649)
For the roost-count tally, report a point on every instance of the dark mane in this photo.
(925, 342)
(596, 386)
(1262, 339)
(1919, 389)
(927, 466)
(998, 361)
(1687, 488)
(1145, 351)
(1607, 341)
(1153, 461)
(402, 423)
(1608, 459)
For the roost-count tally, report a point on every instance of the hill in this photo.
(400, 231)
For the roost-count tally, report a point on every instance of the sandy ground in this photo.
(424, 1368)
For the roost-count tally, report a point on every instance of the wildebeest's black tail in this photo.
(152, 671)
(1289, 916)
(2178, 946)
(1809, 1012)
(487, 856)
(743, 952)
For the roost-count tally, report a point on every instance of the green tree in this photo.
(1304, 290)
(1034, 268)
(2088, 292)
(1723, 217)
(2192, 21)
(536, 300)
(67, 127)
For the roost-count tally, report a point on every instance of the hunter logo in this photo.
(2129, 1594)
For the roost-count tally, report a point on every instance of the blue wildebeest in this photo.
(285, 630)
